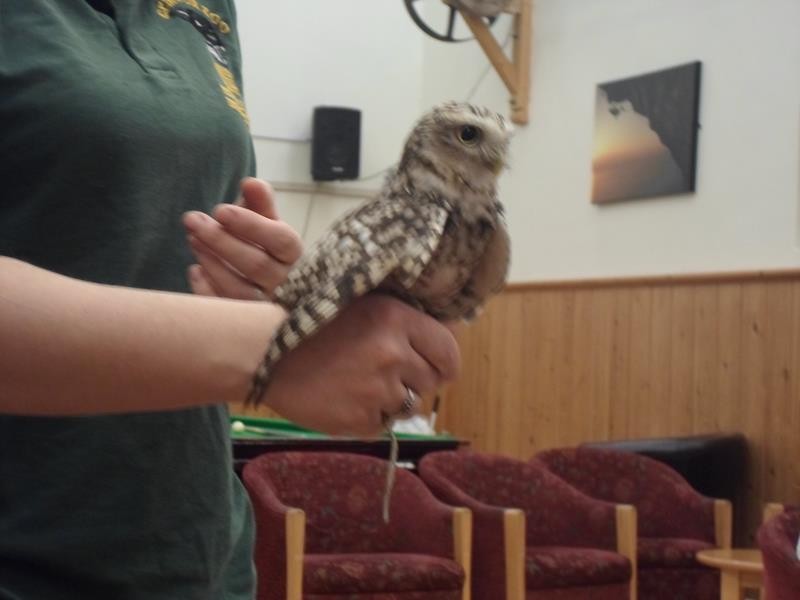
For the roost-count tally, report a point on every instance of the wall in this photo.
(744, 214)
(558, 365)
(360, 53)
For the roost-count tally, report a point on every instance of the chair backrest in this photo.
(666, 505)
(778, 540)
(342, 496)
(556, 513)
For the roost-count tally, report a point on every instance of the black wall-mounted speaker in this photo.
(335, 143)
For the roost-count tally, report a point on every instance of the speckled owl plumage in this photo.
(434, 235)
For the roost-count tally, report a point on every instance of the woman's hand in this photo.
(354, 370)
(243, 250)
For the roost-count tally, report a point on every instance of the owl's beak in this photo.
(498, 165)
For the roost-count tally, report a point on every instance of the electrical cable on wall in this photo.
(277, 138)
(509, 37)
(307, 219)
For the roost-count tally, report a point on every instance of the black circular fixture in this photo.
(447, 32)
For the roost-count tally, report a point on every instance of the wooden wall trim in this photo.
(558, 364)
(655, 280)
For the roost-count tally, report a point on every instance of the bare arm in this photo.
(342, 379)
(71, 347)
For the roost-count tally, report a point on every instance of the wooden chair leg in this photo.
(514, 535)
(626, 542)
(462, 539)
(295, 547)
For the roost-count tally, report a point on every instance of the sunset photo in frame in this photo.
(645, 135)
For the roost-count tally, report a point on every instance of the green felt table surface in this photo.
(263, 428)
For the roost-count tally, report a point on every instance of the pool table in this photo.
(254, 435)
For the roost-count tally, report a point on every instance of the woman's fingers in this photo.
(247, 239)
(217, 275)
(254, 218)
(276, 238)
(245, 260)
(199, 282)
(258, 196)
(361, 363)
(435, 342)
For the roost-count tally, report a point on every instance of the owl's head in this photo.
(462, 138)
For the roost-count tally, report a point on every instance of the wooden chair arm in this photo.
(627, 535)
(462, 540)
(514, 542)
(771, 510)
(723, 523)
(295, 547)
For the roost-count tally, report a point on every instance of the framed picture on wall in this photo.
(645, 135)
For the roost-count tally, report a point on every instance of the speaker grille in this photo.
(336, 142)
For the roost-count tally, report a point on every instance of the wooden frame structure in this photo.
(515, 72)
(514, 537)
(514, 543)
(295, 549)
(627, 542)
(771, 510)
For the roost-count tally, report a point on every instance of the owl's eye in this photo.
(469, 135)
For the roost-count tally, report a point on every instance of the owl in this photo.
(434, 236)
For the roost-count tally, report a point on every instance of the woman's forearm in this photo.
(72, 347)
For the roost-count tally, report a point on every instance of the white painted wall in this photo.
(364, 54)
(744, 215)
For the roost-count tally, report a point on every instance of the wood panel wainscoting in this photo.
(557, 364)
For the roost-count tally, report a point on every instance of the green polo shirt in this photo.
(112, 124)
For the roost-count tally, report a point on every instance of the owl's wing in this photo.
(372, 233)
(490, 274)
(378, 240)
(424, 224)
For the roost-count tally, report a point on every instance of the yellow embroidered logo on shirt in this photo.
(231, 91)
(209, 24)
(164, 6)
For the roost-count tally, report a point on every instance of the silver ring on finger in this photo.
(409, 403)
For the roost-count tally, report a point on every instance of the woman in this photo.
(122, 123)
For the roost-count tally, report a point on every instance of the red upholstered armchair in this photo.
(675, 521)
(778, 541)
(320, 532)
(535, 537)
